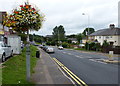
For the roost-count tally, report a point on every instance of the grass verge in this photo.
(83, 49)
(14, 70)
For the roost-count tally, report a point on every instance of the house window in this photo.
(99, 37)
(111, 37)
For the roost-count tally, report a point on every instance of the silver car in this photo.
(5, 51)
(50, 50)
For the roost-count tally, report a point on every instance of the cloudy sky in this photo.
(69, 13)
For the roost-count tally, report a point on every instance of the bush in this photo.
(93, 46)
(65, 45)
(86, 45)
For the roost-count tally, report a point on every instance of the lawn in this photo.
(14, 69)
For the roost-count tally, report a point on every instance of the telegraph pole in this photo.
(88, 26)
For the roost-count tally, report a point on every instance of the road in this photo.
(88, 67)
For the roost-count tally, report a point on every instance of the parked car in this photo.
(50, 50)
(45, 47)
(41, 46)
(5, 51)
(60, 47)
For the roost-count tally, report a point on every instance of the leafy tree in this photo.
(91, 30)
(79, 37)
(59, 33)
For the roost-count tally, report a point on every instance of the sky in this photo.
(98, 14)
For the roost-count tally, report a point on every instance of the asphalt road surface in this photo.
(88, 67)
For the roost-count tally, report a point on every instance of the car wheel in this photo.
(3, 58)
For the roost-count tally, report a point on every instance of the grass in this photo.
(14, 70)
(83, 49)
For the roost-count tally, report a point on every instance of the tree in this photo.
(59, 33)
(91, 30)
(79, 37)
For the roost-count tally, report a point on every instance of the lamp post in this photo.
(88, 25)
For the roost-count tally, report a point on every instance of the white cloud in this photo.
(69, 13)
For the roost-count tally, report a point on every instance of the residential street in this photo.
(87, 66)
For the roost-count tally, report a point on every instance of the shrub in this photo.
(65, 45)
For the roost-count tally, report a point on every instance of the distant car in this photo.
(41, 46)
(81, 45)
(60, 47)
(50, 50)
(5, 51)
(44, 48)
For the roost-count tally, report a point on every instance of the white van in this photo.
(5, 51)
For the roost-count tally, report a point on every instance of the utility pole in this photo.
(88, 33)
(58, 36)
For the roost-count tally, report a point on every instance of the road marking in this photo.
(102, 62)
(88, 57)
(76, 77)
(78, 56)
(69, 53)
(97, 61)
(64, 52)
(71, 74)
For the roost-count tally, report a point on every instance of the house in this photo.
(111, 35)
(84, 40)
(73, 40)
(49, 36)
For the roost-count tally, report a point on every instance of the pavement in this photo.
(47, 71)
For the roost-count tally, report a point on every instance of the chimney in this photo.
(112, 26)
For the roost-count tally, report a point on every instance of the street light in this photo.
(88, 25)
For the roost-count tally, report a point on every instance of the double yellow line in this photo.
(71, 74)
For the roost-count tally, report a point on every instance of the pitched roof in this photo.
(49, 36)
(73, 39)
(107, 32)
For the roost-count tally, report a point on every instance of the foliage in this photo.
(93, 46)
(15, 68)
(105, 44)
(37, 38)
(86, 46)
(65, 45)
(79, 37)
(88, 31)
(59, 33)
(23, 37)
(24, 18)
(97, 47)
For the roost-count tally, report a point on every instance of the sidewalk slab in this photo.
(47, 72)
